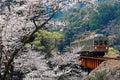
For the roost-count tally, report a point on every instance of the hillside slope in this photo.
(100, 17)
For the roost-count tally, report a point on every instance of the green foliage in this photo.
(27, 45)
(46, 41)
(73, 26)
(39, 48)
(93, 19)
(113, 51)
(36, 42)
(106, 11)
(104, 14)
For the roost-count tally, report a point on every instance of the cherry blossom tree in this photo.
(19, 20)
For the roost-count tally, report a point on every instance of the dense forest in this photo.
(85, 19)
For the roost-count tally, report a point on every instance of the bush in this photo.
(113, 51)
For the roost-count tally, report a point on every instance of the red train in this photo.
(95, 45)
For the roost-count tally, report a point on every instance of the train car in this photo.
(95, 45)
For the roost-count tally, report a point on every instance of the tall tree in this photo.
(19, 20)
(46, 41)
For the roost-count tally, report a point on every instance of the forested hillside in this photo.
(35, 33)
(86, 18)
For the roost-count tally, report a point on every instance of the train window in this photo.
(105, 42)
(95, 42)
(100, 42)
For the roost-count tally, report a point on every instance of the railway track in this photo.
(93, 62)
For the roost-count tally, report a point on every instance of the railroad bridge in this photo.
(93, 62)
